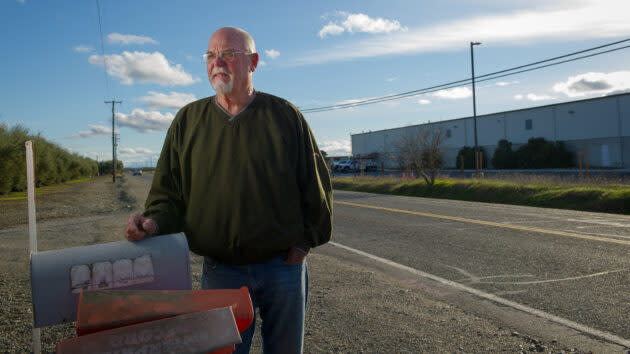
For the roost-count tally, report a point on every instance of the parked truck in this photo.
(355, 165)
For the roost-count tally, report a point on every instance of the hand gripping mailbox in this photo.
(59, 276)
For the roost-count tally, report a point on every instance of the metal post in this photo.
(472, 64)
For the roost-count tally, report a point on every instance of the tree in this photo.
(420, 149)
(504, 156)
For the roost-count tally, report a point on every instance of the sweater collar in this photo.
(232, 117)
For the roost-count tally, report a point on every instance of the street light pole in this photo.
(472, 64)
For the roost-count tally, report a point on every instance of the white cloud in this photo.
(83, 49)
(363, 23)
(126, 39)
(390, 79)
(586, 19)
(95, 130)
(330, 29)
(424, 101)
(262, 63)
(143, 67)
(594, 83)
(145, 122)
(506, 83)
(174, 100)
(336, 147)
(454, 93)
(136, 151)
(534, 97)
(272, 53)
(518, 97)
(360, 23)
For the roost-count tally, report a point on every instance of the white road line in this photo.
(596, 234)
(553, 280)
(568, 323)
(600, 222)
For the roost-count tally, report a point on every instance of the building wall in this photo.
(599, 127)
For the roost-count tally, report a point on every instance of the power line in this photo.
(486, 77)
(100, 28)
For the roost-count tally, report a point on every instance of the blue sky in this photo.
(314, 53)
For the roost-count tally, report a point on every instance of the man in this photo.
(241, 174)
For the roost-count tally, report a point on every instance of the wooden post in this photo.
(586, 161)
(580, 163)
(32, 225)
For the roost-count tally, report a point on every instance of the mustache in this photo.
(219, 70)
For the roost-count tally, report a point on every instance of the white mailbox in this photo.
(57, 277)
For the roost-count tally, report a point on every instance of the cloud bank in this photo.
(145, 122)
(95, 130)
(174, 100)
(126, 39)
(586, 19)
(272, 53)
(336, 147)
(594, 84)
(83, 49)
(143, 67)
(360, 23)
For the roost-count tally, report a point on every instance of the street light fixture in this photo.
(472, 64)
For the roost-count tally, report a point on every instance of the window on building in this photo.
(528, 124)
(448, 133)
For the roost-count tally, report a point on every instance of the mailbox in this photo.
(59, 276)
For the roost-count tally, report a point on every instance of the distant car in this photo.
(336, 164)
(137, 172)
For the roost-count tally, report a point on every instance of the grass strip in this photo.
(604, 198)
(41, 190)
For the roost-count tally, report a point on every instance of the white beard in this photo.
(219, 86)
(222, 88)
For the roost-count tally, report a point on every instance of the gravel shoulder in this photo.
(352, 308)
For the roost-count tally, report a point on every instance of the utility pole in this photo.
(472, 64)
(114, 143)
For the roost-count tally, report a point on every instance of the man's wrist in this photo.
(303, 248)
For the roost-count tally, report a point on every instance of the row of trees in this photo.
(537, 153)
(419, 150)
(52, 163)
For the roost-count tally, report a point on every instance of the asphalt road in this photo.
(570, 264)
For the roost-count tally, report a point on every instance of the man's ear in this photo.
(254, 64)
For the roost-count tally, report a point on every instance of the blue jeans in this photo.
(279, 290)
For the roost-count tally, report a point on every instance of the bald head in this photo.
(236, 36)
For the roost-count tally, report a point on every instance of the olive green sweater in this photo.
(245, 189)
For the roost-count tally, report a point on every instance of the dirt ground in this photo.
(351, 309)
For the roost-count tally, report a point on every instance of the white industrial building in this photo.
(600, 126)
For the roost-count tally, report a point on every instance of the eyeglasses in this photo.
(225, 55)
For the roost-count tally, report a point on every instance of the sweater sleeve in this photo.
(316, 189)
(165, 203)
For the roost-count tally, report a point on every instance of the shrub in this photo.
(469, 157)
(504, 157)
(540, 153)
(537, 153)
